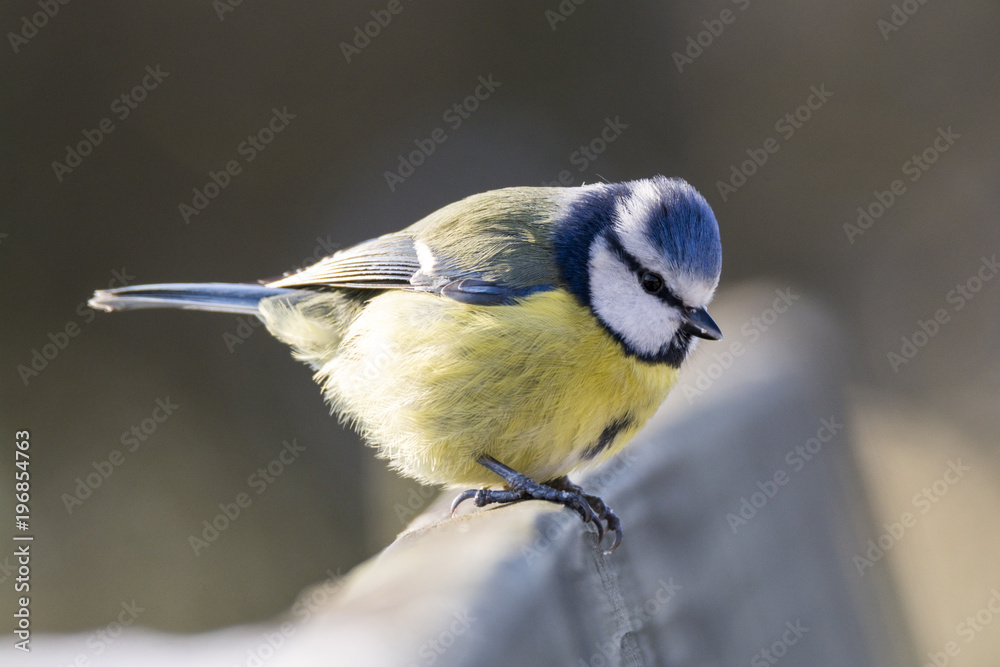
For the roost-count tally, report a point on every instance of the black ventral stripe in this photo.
(608, 436)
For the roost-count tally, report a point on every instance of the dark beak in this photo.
(699, 323)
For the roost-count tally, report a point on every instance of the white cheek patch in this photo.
(643, 321)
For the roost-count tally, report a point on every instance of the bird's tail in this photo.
(217, 297)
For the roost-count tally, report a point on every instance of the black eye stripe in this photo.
(665, 294)
(624, 255)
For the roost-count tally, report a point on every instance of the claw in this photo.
(521, 487)
(604, 513)
(615, 525)
(577, 502)
(590, 516)
(461, 498)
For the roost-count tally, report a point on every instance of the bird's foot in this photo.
(560, 491)
(604, 513)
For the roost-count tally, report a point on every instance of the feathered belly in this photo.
(540, 386)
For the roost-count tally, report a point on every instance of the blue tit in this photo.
(514, 336)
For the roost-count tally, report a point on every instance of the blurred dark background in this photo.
(560, 74)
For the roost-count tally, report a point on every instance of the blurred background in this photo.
(850, 152)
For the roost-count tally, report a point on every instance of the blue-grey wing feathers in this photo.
(394, 262)
(488, 249)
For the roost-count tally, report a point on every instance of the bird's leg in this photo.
(561, 491)
(604, 512)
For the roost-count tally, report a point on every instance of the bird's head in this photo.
(645, 256)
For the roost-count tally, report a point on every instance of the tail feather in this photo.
(216, 297)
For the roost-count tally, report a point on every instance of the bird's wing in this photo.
(483, 251)
(386, 262)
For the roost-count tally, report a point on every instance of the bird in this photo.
(505, 340)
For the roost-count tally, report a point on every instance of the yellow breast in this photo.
(539, 385)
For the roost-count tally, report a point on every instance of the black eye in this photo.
(650, 282)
